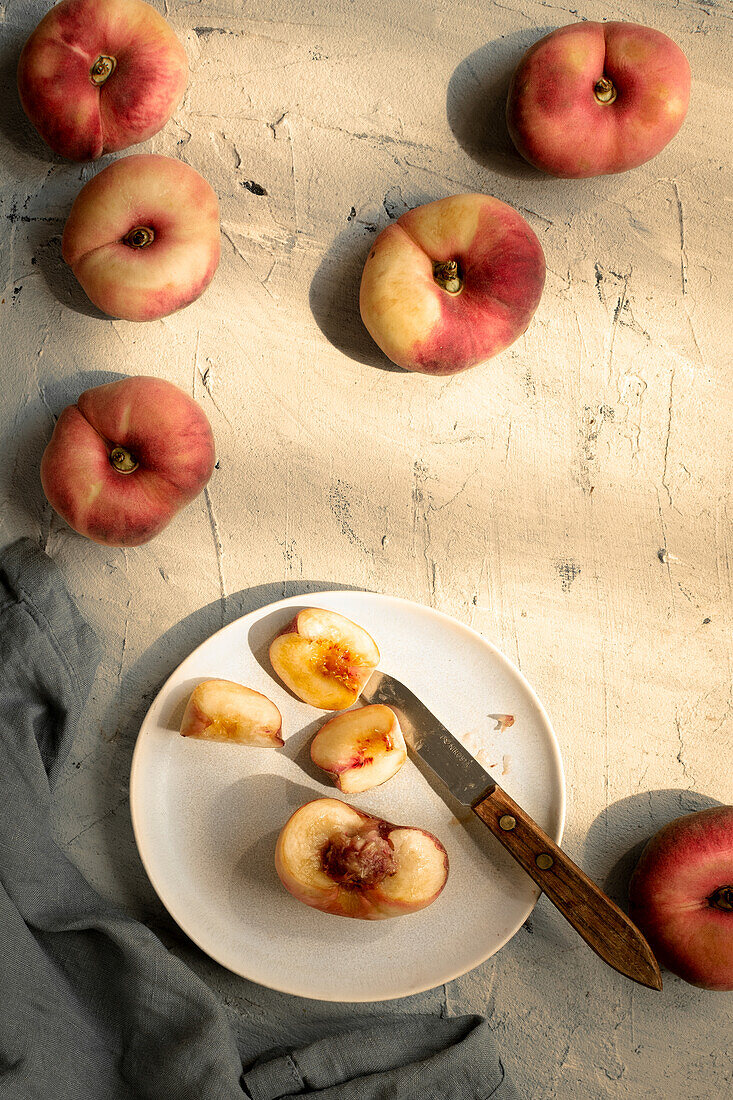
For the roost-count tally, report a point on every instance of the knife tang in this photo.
(600, 922)
(429, 739)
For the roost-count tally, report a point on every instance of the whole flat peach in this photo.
(97, 76)
(451, 284)
(126, 458)
(143, 237)
(593, 99)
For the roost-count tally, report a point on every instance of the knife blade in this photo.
(597, 919)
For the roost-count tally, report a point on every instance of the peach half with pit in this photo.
(360, 748)
(341, 860)
(143, 237)
(324, 658)
(451, 284)
(222, 710)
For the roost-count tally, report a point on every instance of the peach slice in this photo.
(340, 860)
(324, 658)
(361, 748)
(221, 710)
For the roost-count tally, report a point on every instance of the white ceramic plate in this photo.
(206, 816)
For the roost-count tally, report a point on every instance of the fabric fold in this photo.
(424, 1058)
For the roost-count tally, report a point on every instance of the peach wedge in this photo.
(221, 710)
(324, 658)
(340, 860)
(360, 748)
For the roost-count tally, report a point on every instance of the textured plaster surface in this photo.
(570, 500)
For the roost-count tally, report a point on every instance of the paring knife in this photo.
(600, 922)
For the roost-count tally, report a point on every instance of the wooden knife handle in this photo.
(600, 922)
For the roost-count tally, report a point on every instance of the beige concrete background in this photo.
(570, 500)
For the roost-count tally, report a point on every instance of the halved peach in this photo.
(360, 748)
(340, 860)
(324, 658)
(221, 710)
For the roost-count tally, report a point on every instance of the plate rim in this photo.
(287, 601)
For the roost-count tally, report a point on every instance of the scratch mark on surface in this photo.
(196, 371)
(248, 265)
(219, 552)
(341, 508)
(599, 280)
(285, 121)
(98, 820)
(685, 768)
(124, 633)
(534, 214)
(683, 253)
(665, 484)
(614, 323)
(590, 429)
(207, 380)
(631, 398)
(394, 203)
(662, 553)
(694, 340)
(432, 507)
(421, 509)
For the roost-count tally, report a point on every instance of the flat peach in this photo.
(681, 895)
(126, 458)
(143, 237)
(96, 76)
(592, 99)
(451, 284)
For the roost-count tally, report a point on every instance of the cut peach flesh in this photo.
(361, 748)
(422, 864)
(299, 847)
(324, 658)
(422, 869)
(222, 710)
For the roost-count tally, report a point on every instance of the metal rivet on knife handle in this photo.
(544, 861)
(507, 823)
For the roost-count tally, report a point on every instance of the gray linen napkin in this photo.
(92, 1005)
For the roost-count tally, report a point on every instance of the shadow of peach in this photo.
(334, 299)
(620, 833)
(476, 103)
(334, 289)
(56, 273)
